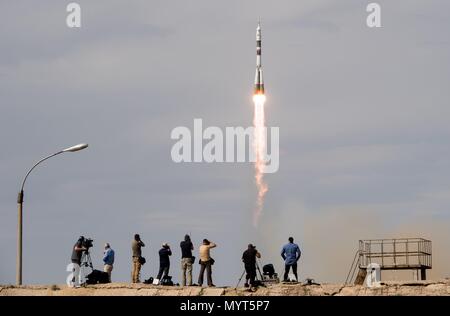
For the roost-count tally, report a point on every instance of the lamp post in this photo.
(20, 205)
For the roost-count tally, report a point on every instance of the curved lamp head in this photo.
(75, 148)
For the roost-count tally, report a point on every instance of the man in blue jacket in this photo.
(290, 253)
(108, 260)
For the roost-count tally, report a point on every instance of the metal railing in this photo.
(353, 268)
(395, 254)
(391, 254)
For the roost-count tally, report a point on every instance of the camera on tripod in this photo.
(87, 243)
(86, 257)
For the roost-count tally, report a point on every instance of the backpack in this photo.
(97, 277)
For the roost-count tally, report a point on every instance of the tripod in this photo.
(86, 262)
(244, 272)
(259, 270)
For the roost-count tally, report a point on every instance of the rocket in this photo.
(259, 82)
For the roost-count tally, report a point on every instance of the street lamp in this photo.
(20, 204)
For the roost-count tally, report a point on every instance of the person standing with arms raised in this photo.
(186, 260)
(136, 246)
(206, 262)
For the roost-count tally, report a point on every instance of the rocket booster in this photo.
(259, 82)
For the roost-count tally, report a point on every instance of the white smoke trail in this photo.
(259, 147)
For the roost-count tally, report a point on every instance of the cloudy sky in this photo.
(363, 116)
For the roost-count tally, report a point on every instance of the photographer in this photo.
(186, 260)
(206, 262)
(249, 258)
(77, 253)
(164, 261)
(136, 246)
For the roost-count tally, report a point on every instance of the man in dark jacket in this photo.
(164, 261)
(186, 260)
(249, 258)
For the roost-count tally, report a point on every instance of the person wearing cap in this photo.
(249, 258)
(164, 261)
(108, 260)
(206, 262)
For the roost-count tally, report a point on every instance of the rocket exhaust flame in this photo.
(260, 136)
(259, 149)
